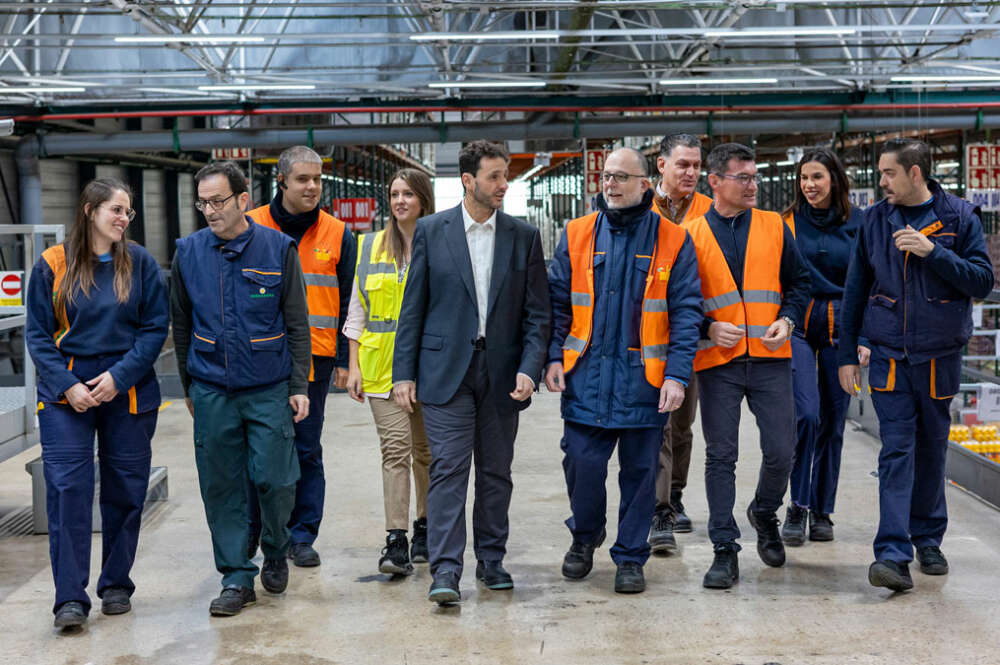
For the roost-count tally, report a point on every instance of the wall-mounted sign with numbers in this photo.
(982, 175)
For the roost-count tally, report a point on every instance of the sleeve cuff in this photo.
(533, 384)
(680, 381)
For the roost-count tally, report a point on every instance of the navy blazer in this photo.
(439, 320)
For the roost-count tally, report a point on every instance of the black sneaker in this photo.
(661, 533)
(115, 600)
(769, 546)
(932, 561)
(793, 531)
(444, 588)
(682, 523)
(493, 575)
(70, 615)
(232, 599)
(418, 546)
(629, 578)
(725, 570)
(253, 542)
(579, 558)
(891, 575)
(395, 555)
(274, 575)
(303, 555)
(820, 527)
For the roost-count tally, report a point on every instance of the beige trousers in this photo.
(401, 438)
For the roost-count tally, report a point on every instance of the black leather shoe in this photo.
(793, 531)
(725, 570)
(629, 578)
(418, 546)
(231, 601)
(932, 561)
(891, 575)
(661, 533)
(580, 558)
(769, 545)
(115, 600)
(493, 575)
(444, 588)
(303, 555)
(70, 615)
(820, 527)
(274, 575)
(682, 523)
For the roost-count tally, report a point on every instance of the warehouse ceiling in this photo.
(115, 54)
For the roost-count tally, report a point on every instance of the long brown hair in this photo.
(392, 240)
(79, 276)
(840, 198)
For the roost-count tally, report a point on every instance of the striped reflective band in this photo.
(381, 326)
(317, 321)
(718, 302)
(379, 269)
(321, 279)
(654, 352)
(366, 268)
(757, 331)
(759, 295)
(654, 305)
(705, 344)
(574, 344)
(579, 299)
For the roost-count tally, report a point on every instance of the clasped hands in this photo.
(102, 389)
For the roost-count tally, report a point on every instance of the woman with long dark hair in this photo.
(371, 328)
(825, 225)
(97, 319)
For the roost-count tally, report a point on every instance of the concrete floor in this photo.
(818, 609)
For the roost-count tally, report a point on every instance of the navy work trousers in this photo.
(820, 414)
(310, 490)
(123, 449)
(767, 386)
(586, 453)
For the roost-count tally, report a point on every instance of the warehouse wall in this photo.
(60, 191)
(155, 219)
(189, 216)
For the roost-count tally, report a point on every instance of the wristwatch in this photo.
(791, 324)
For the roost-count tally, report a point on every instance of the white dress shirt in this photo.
(481, 239)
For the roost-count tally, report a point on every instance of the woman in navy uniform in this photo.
(97, 319)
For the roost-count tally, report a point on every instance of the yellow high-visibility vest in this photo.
(381, 293)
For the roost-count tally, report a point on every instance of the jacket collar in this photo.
(239, 243)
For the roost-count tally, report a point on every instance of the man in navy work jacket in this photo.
(241, 334)
(919, 260)
(472, 336)
(626, 306)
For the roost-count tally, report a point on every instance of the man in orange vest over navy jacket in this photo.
(679, 165)
(755, 287)
(327, 251)
(626, 308)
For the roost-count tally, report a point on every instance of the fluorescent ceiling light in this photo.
(944, 79)
(532, 171)
(786, 162)
(193, 39)
(946, 165)
(254, 86)
(716, 81)
(37, 90)
(487, 84)
(57, 82)
(762, 165)
(176, 91)
(482, 36)
(780, 32)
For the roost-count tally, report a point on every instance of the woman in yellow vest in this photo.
(371, 329)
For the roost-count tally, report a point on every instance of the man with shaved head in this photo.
(626, 305)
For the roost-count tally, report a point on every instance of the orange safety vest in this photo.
(319, 253)
(699, 206)
(758, 308)
(654, 326)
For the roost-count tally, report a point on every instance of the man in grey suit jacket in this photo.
(470, 345)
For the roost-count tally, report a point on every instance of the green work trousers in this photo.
(233, 434)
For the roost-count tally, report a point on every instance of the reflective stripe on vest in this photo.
(654, 325)
(319, 254)
(381, 295)
(761, 301)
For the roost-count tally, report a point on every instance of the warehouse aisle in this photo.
(818, 609)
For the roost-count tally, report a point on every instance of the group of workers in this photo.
(660, 299)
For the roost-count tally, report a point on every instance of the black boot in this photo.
(580, 558)
(725, 570)
(661, 533)
(682, 523)
(70, 615)
(820, 527)
(769, 545)
(793, 531)
(891, 575)
(274, 575)
(418, 546)
(395, 555)
(629, 578)
(932, 561)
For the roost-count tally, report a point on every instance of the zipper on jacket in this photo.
(906, 260)
(222, 314)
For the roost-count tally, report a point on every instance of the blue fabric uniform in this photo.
(917, 317)
(96, 334)
(825, 242)
(607, 397)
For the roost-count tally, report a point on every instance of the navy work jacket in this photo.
(238, 336)
(912, 307)
(608, 387)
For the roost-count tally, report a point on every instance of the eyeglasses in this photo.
(620, 178)
(743, 178)
(118, 211)
(217, 204)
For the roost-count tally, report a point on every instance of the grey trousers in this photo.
(475, 425)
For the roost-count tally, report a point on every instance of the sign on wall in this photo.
(358, 214)
(595, 167)
(982, 175)
(11, 291)
(863, 197)
(221, 154)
